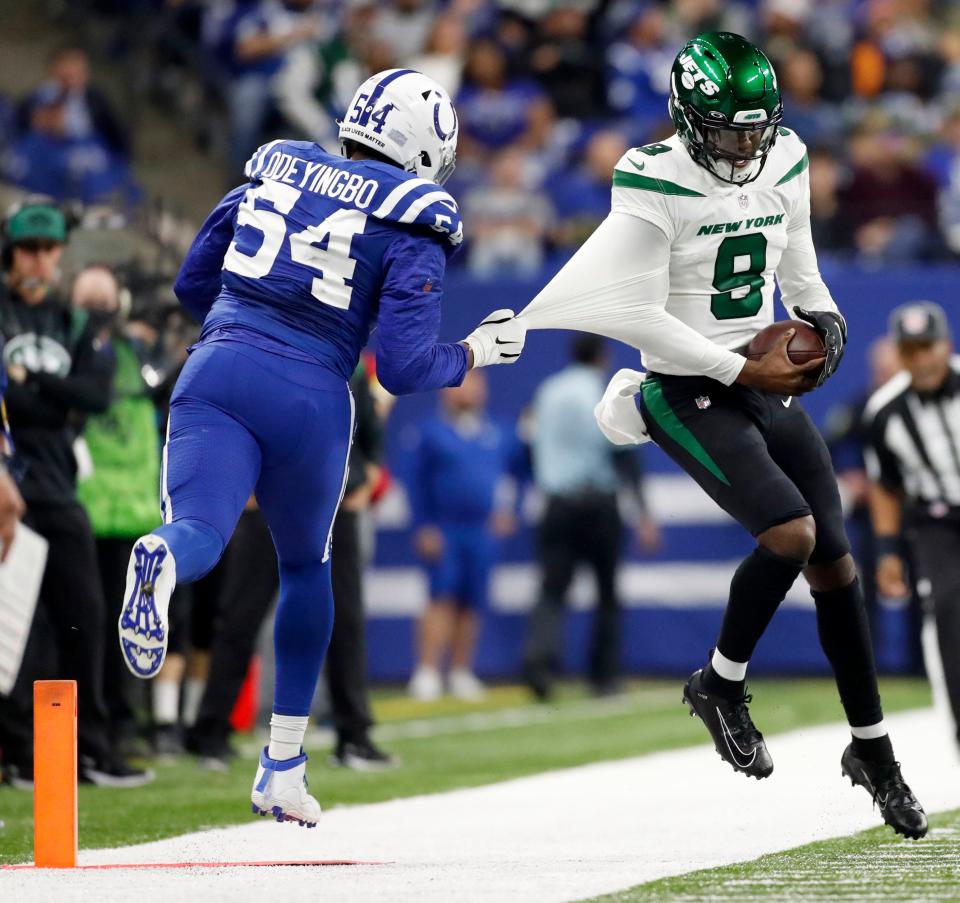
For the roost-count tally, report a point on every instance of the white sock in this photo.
(166, 701)
(192, 694)
(870, 732)
(727, 668)
(286, 735)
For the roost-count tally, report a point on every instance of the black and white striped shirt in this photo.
(913, 441)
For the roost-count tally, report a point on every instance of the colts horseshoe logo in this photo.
(436, 122)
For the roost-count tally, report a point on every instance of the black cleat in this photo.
(734, 735)
(898, 806)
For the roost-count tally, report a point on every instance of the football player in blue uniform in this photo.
(289, 274)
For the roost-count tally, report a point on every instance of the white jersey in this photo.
(684, 267)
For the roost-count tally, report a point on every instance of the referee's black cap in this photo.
(919, 321)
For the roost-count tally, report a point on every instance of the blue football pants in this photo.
(244, 419)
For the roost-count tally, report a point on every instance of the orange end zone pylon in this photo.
(55, 773)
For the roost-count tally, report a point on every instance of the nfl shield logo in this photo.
(743, 200)
(703, 402)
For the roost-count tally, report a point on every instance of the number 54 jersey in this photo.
(309, 253)
(728, 242)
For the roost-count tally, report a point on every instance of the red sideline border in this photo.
(205, 865)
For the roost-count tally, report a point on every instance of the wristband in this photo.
(888, 545)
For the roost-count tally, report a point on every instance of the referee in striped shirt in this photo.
(912, 428)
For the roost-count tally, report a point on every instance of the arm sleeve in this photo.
(409, 358)
(617, 286)
(798, 273)
(627, 464)
(198, 282)
(882, 464)
(418, 494)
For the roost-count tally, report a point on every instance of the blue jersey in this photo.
(456, 467)
(315, 250)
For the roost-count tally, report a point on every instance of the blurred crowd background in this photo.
(135, 116)
(550, 94)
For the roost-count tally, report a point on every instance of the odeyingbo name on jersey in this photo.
(406, 198)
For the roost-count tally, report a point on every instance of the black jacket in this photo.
(70, 367)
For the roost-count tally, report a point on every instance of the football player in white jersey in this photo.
(683, 268)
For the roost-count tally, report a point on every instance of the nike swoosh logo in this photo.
(507, 342)
(786, 401)
(639, 167)
(732, 745)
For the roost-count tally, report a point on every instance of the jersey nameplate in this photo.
(760, 222)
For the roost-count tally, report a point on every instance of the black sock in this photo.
(756, 591)
(728, 689)
(879, 749)
(845, 638)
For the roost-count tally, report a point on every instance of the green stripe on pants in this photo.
(659, 409)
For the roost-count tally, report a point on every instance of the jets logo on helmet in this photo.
(725, 104)
(409, 119)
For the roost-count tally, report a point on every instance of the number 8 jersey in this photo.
(728, 242)
(315, 248)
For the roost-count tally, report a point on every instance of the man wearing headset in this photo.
(59, 367)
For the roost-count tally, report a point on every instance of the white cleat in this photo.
(280, 790)
(426, 685)
(143, 627)
(466, 685)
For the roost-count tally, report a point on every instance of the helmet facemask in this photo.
(734, 152)
(737, 153)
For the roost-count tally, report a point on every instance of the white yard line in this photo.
(558, 836)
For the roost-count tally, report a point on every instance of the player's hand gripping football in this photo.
(499, 339)
(833, 330)
(776, 373)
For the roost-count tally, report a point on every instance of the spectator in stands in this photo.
(889, 201)
(60, 364)
(443, 56)
(581, 197)
(508, 220)
(579, 473)
(66, 105)
(497, 110)
(943, 163)
(638, 71)
(405, 25)
(828, 223)
(461, 459)
(815, 120)
(119, 491)
(567, 66)
(252, 40)
(72, 145)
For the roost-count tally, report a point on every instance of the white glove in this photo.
(617, 414)
(498, 339)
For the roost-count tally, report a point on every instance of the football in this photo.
(806, 345)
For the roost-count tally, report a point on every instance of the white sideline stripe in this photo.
(404, 591)
(558, 836)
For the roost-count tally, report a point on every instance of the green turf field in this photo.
(443, 746)
(873, 865)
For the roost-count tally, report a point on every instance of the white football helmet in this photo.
(409, 119)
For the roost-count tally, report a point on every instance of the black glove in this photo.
(833, 330)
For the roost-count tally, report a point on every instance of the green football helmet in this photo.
(725, 104)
